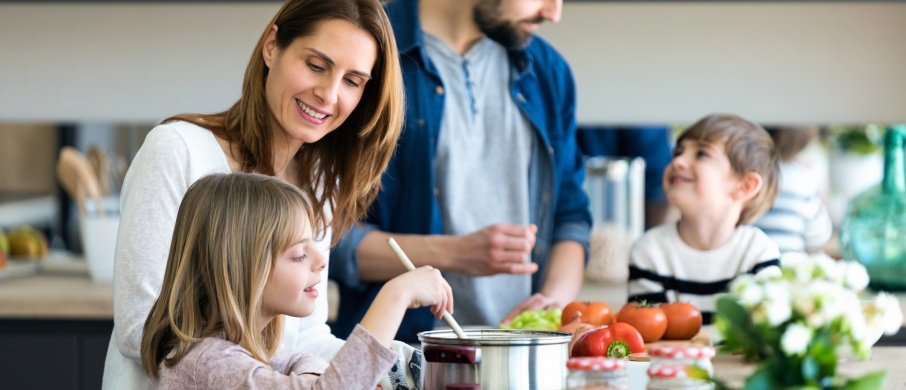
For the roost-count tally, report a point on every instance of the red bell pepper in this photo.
(616, 341)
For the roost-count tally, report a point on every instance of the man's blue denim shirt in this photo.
(545, 92)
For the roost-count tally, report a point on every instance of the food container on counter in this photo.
(596, 373)
(495, 359)
(674, 377)
(671, 366)
(685, 354)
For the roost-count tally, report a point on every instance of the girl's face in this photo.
(292, 287)
(700, 177)
(314, 84)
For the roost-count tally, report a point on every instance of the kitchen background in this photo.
(82, 73)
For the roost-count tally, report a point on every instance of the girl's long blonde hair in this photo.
(229, 231)
(343, 169)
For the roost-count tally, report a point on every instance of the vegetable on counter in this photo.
(684, 320)
(592, 313)
(649, 320)
(616, 341)
(536, 320)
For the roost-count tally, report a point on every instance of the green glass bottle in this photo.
(874, 229)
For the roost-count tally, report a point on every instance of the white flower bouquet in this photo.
(799, 319)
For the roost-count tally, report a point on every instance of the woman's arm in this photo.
(154, 186)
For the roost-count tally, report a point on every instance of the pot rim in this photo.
(494, 337)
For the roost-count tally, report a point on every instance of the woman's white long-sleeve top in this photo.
(174, 156)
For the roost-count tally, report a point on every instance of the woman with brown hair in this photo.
(321, 108)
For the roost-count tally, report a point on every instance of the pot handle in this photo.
(452, 354)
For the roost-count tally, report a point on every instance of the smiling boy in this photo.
(723, 176)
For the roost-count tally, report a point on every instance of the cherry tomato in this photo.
(684, 320)
(617, 340)
(594, 313)
(650, 321)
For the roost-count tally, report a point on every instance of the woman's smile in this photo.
(310, 114)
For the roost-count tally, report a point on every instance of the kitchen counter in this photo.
(57, 293)
(55, 297)
(60, 317)
(60, 290)
(733, 371)
(56, 318)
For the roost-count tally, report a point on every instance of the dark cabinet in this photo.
(53, 354)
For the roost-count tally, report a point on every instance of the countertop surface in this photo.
(732, 370)
(60, 289)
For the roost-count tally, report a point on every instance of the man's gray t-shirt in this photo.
(482, 166)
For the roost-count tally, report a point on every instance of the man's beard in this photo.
(487, 17)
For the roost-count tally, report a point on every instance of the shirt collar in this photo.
(406, 25)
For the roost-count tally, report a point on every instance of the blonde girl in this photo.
(243, 257)
(321, 108)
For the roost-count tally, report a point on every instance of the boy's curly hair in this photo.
(750, 149)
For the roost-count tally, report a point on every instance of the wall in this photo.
(637, 62)
(780, 62)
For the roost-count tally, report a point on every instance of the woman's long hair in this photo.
(230, 229)
(343, 169)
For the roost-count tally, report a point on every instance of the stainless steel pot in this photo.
(497, 359)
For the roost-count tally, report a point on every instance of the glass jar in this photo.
(683, 354)
(875, 222)
(596, 373)
(674, 377)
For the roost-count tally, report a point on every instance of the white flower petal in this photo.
(795, 339)
(856, 276)
(768, 273)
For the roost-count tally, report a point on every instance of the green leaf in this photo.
(871, 381)
(810, 370)
(761, 379)
(696, 372)
(740, 332)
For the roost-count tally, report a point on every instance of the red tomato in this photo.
(650, 321)
(594, 313)
(617, 340)
(684, 320)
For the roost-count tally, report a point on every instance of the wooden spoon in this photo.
(408, 264)
(100, 165)
(69, 179)
(76, 174)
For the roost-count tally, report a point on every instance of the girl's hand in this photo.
(417, 288)
(424, 286)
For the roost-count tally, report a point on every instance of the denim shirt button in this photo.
(520, 98)
(550, 150)
(421, 122)
(546, 198)
(538, 250)
(439, 90)
(436, 192)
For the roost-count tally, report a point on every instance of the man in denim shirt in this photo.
(486, 183)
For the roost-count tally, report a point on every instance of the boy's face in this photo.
(292, 288)
(700, 178)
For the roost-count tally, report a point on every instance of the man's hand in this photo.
(534, 302)
(498, 248)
